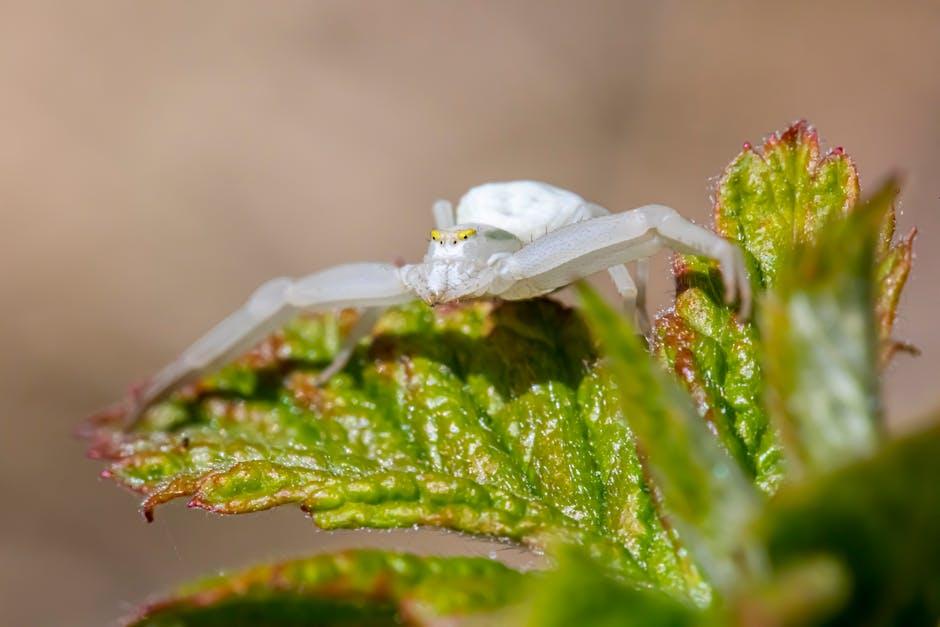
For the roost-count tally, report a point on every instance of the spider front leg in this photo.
(581, 249)
(679, 234)
(444, 217)
(632, 293)
(364, 285)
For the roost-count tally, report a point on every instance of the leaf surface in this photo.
(499, 419)
(820, 339)
(484, 418)
(710, 500)
(770, 202)
(580, 592)
(350, 588)
(879, 518)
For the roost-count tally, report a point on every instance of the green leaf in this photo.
(712, 502)
(820, 338)
(499, 419)
(769, 202)
(484, 418)
(855, 546)
(879, 518)
(351, 588)
(581, 592)
(806, 592)
(772, 201)
(894, 262)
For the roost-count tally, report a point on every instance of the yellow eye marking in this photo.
(436, 235)
(466, 233)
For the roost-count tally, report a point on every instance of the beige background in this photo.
(159, 160)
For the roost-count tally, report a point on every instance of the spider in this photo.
(511, 240)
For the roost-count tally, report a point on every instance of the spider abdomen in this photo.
(527, 209)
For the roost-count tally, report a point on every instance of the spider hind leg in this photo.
(633, 294)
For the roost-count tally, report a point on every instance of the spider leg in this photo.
(683, 236)
(368, 285)
(632, 294)
(642, 280)
(360, 330)
(581, 249)
(444, 217)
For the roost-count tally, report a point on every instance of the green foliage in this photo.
(771, 203)
(350, 588)
(702, 487)
(820, 342)
(753, 487)
(482, 418)
(579, 592)
(879, 518)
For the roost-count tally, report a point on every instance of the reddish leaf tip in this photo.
(796, 130)
(799, 131)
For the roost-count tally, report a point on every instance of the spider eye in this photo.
(436, 235)
(467, 233)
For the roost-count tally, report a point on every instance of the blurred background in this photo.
(160, 160)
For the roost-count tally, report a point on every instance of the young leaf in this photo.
(350, 588)
(712, 502)
(803, 593)
(879, 518)
(484, 418)
(893, 267)
(770, 203)
(580, 592)
(853, 546)
(820, 341)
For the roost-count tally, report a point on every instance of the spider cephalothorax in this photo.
(512, 240)
(459, 262)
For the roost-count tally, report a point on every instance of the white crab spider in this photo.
(512, 240)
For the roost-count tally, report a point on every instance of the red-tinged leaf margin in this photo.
(891, 274)
(797, 190)
(802, 140)
(398, 587)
